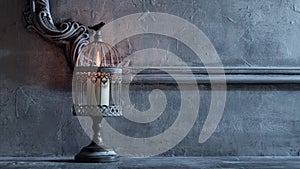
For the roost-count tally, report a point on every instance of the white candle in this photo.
(105, 93)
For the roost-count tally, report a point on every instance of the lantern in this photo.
(97, 81)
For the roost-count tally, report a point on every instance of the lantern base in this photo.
(93, 153)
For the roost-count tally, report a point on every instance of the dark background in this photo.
(35, 81)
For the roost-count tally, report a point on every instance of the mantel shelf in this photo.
(233, 75)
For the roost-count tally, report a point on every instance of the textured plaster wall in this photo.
(35, 82)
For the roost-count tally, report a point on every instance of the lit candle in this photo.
(105, 93)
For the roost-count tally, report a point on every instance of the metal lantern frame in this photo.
(114, 75)
(96, 93)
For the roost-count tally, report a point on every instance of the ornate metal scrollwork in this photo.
(73, 36)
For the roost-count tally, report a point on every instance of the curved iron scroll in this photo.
(73, 36)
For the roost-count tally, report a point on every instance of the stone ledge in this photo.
(153, 162)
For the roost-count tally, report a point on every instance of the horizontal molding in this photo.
(233, 75)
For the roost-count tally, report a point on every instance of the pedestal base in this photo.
(94, 153)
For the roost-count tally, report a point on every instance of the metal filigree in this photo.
(104, 76)
(95, 76)
(97, 110)
(73, 36)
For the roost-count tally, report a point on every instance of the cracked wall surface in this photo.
(35, 81)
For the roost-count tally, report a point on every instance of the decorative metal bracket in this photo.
(72, 36)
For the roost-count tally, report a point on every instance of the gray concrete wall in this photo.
(35, 82)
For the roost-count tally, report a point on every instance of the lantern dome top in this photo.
(98, 53)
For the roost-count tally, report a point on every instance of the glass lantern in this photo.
(97, 81)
